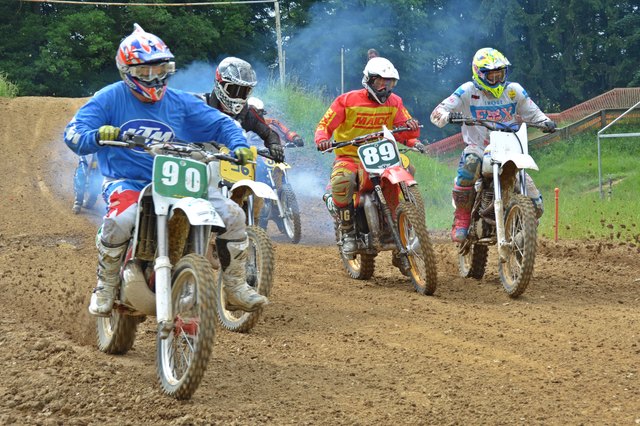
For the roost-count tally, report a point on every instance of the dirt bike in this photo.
(164, 272)
(87, 183)
(238, 183)
(387, 215)
(502, 214)
(284, 210)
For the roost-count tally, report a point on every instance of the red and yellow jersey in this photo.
(353, 114)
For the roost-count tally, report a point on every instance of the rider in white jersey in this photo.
(488, 96)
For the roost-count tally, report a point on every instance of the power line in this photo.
(100, 3)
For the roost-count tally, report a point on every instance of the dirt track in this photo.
(329, 350)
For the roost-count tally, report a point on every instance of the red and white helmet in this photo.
(145, 63)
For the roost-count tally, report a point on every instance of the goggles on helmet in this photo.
(380, 83)
(495, 76)
(235, 91)
(151, 72)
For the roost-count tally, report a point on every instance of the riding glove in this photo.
(244, 155)
(324, 145)
(277, 152)
(107, 133)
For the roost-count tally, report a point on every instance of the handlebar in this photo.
(181, 149)
(367, 138)
(498, 125)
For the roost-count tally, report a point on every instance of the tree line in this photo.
(563, 51)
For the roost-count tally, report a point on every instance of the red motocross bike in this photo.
(388, 214)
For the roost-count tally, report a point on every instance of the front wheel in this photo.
(521, 237)
(291, 219)
(183, 356)
(415, 241)
(259, 269)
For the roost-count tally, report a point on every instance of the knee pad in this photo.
(343, 183)
(468, 170)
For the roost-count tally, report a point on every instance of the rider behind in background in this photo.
(234, 82)
(288, 137)
(354, 114)
(84, 182)
(143, 103)
(488, 96)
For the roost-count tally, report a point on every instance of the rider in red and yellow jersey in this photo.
(358, 113)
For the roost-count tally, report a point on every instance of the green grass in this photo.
(571, 166)
(7, 88)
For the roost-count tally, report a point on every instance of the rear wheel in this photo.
(415, 241)
(473, 263)
(358, 266)
(260, 270)
(183, 356)
(521, 236)
(117, 332)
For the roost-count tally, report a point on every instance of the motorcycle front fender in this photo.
(260, 189)
(397, 174)
(199, 211)
(522, 161)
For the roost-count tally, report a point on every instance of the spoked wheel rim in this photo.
(514, 234)
(411, 243)
(179, 347)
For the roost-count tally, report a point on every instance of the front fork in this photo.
(281, 212)
(162, 268)
(504, 248)
(386, 211)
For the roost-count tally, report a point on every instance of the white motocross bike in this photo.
(165, 273)
(502, 213)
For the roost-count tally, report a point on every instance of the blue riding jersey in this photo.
(178, 116)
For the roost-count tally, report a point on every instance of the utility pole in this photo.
(279, 41)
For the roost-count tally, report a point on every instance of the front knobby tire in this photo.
(117, 332)
(182, 357)
(260, 270)
(359, 266)
(521, 233)
(291, 220)
(415, 240)
(474, 262)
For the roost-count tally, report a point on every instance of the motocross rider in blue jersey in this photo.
(143, 103)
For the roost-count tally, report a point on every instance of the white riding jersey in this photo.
(471, 101)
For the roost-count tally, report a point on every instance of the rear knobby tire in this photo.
(473, 264)
(415, 240)
(521, 233)
(360, 266)
(116, 333)
(260, 269)
(182, 357)
(291, 219)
